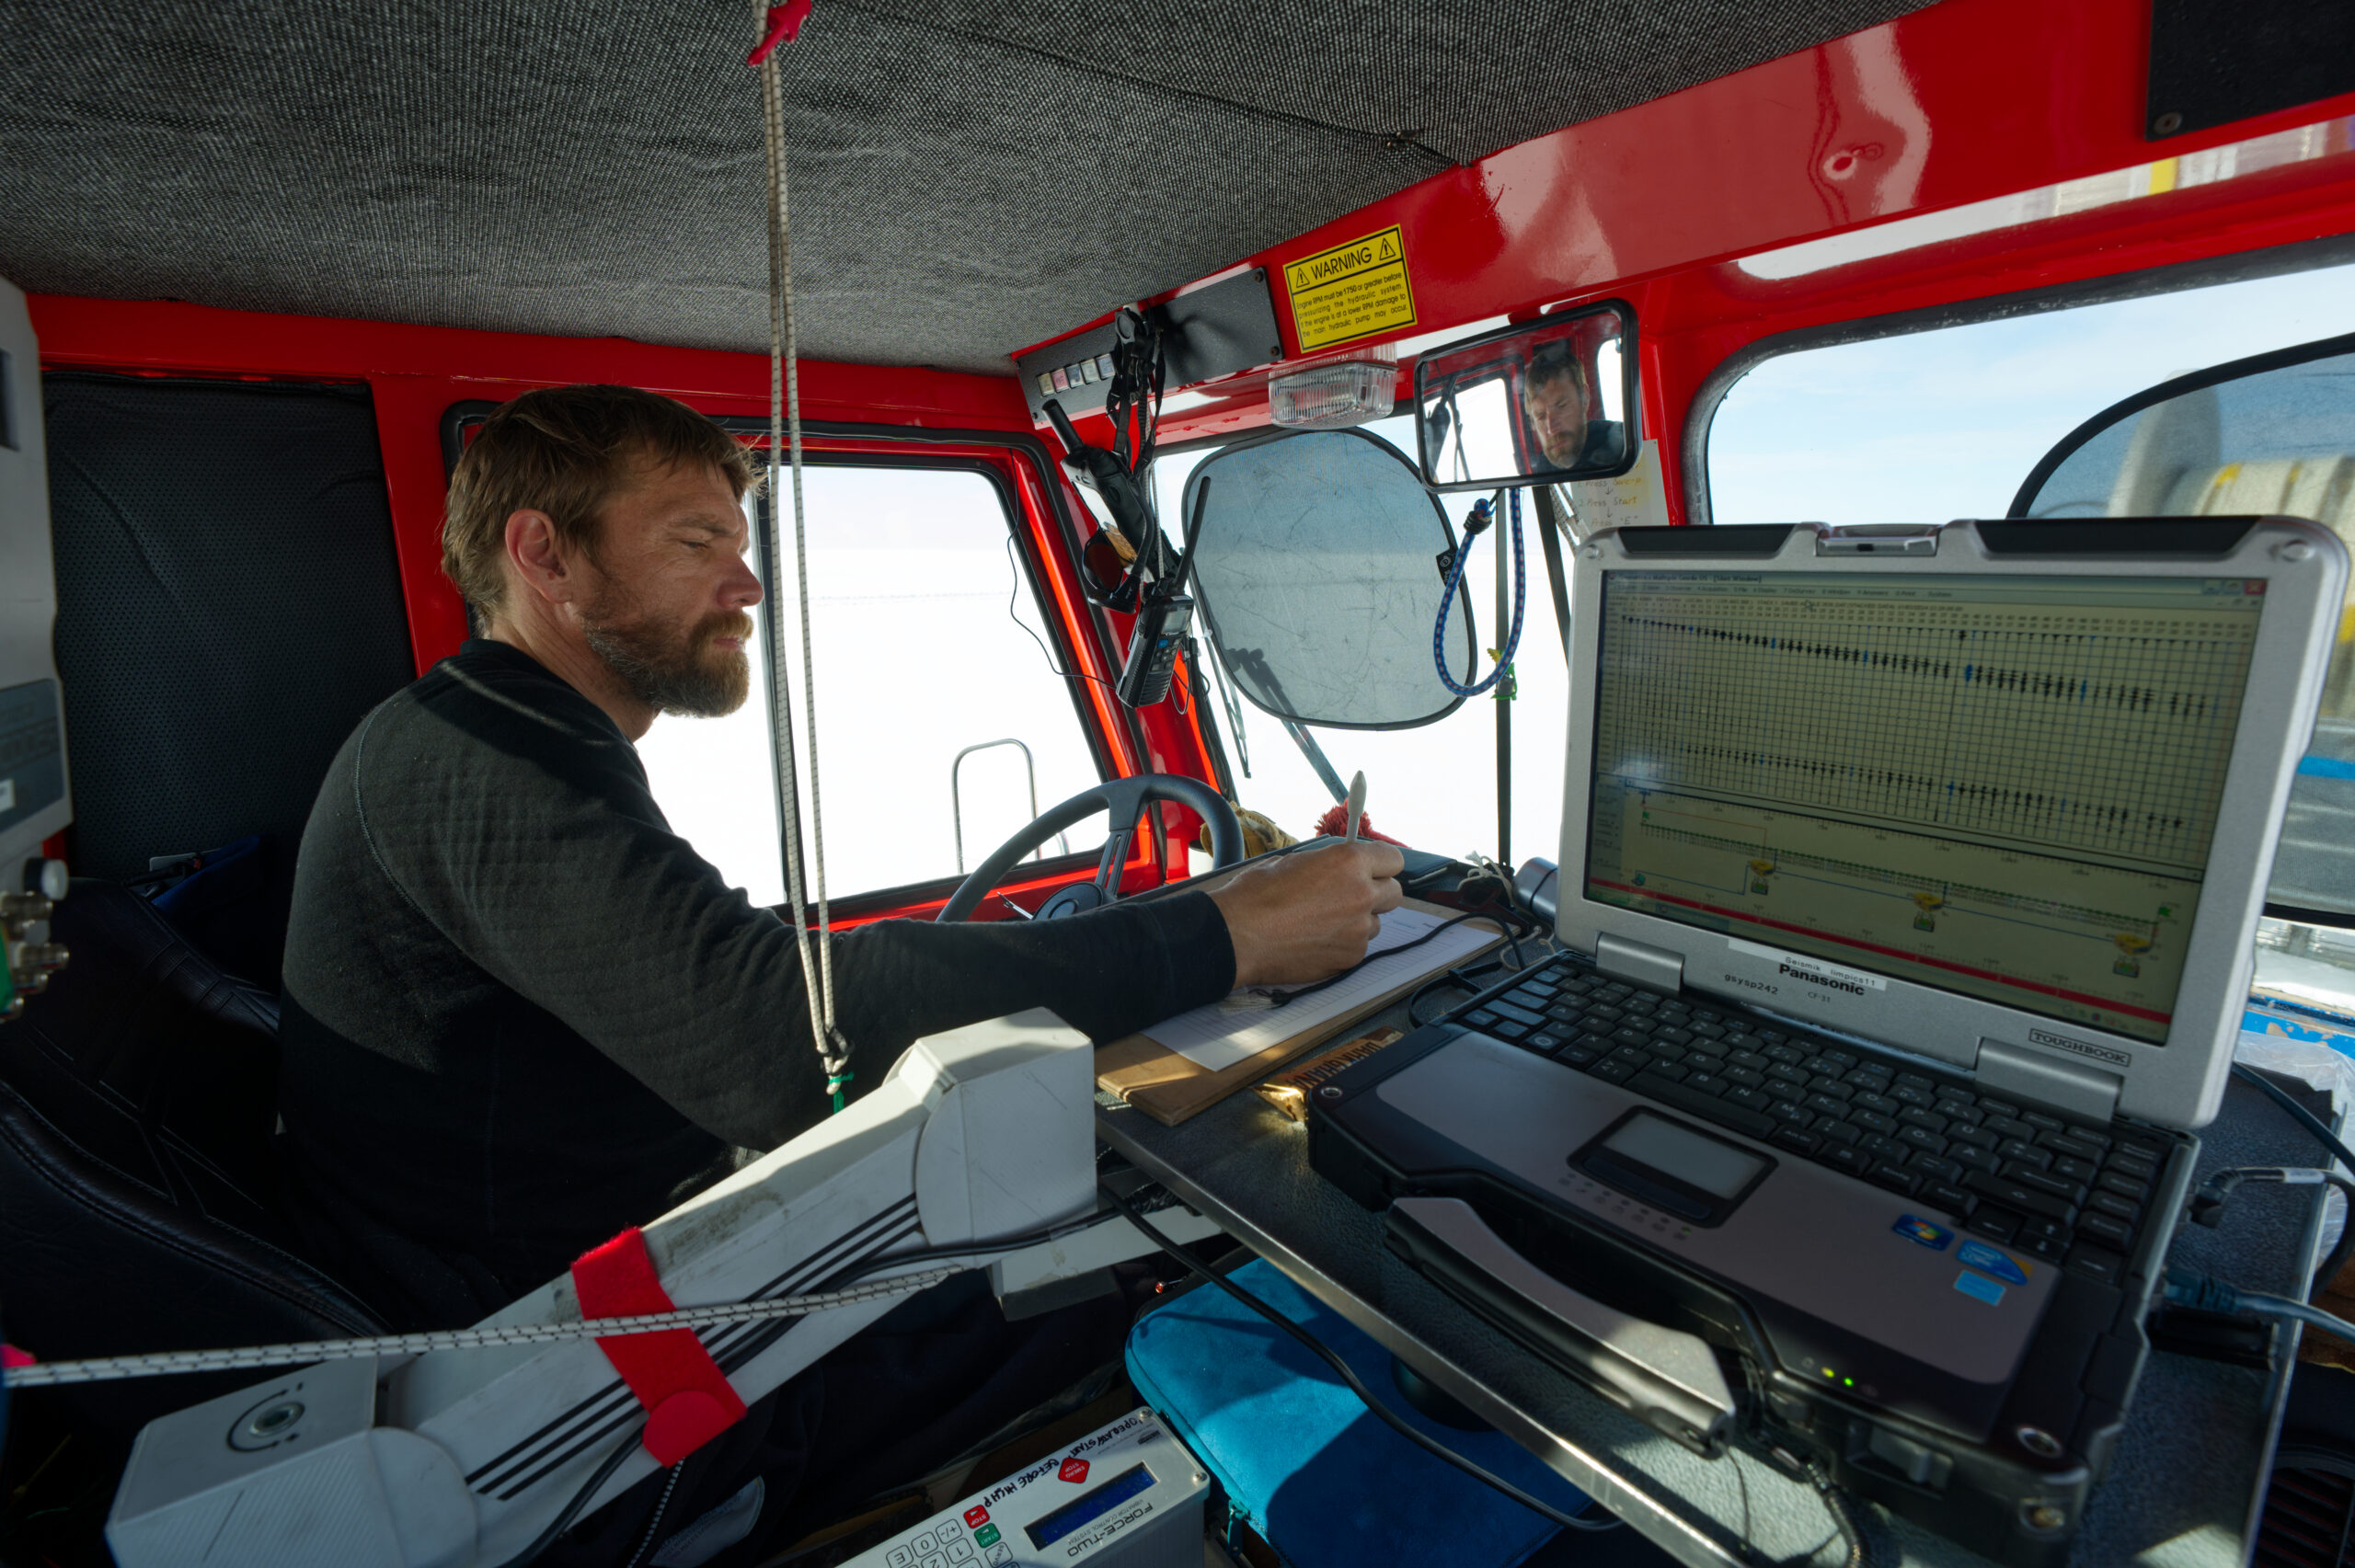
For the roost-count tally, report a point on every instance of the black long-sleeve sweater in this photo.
(521, 1015)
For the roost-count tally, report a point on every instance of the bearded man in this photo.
(1559, 403)
(521, 1014)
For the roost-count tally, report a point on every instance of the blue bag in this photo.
(1320, 1477)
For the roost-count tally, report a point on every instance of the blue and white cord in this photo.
(1482, 513)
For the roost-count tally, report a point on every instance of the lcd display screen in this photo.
(2002, 787)
(1090, 1507)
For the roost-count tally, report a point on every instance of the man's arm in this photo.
(562, 883)
(1111, 972)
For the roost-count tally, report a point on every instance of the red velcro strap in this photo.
(687, 1398)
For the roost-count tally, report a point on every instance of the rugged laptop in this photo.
(1910, 878)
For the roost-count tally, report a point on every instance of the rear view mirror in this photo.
(1547, 401)
(1317, 572)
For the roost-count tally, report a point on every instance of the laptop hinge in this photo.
(1634, 961)
(2085, 1092)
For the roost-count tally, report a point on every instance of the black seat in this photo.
(138, 1200)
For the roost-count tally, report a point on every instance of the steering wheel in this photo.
(1126, 800)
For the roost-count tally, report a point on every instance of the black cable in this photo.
(970, 1249)
(2323, 1135)
(1293, 996)
(2208, 1204)
(571, 1511)
(1317, 1347)
(1463, 976)
(1844, 1517)
(1013, 593)
(1449, 979)
(2304, 1116)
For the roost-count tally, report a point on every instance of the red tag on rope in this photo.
(783, 25)
(687, 1398)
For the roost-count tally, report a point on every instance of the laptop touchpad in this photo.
(1673, 1166)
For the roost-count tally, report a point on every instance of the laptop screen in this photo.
(2002, 786)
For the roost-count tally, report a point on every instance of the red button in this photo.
(977, 1517)
(1073, 1471)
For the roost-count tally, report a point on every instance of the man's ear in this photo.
(537, 558)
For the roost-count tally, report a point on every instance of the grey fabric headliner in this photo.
(971, 176)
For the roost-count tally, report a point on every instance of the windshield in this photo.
(1435, 787)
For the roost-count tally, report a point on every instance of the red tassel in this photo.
(1336, 822)
(783, 26)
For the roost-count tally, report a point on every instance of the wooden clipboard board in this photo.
(1167, 1087)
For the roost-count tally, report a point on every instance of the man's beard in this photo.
(671, 669)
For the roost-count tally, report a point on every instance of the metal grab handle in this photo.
(1664, 1377)
(957, 802)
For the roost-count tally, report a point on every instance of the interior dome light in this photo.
(1333, 396)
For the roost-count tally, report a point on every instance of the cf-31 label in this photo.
(1805, 972)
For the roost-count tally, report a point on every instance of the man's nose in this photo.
(742, 590)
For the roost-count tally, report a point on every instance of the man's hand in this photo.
(1310, 914)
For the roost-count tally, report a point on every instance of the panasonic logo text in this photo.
(1851, 987)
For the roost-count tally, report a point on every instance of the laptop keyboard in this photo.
(2063, 1191)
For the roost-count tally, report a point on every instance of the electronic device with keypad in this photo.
(1909, 883)
(1128, 1496)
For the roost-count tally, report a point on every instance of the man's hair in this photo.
(564, 451)
(1557, 360)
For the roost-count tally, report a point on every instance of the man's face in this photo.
(672, 589)
(1558, 407)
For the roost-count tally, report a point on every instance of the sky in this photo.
(1933, 426)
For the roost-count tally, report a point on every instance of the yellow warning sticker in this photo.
(1351, 291)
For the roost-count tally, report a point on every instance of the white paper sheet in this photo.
(1223, 1034)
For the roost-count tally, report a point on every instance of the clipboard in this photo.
(1148, 1075)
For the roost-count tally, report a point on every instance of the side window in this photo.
(927, 638)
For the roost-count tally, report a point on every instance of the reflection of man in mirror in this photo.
(1559, 399)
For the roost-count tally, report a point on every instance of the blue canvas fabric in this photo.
(1317, 1473)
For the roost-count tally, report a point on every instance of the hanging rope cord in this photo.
(297, 1352)
(1482, 513)
(784, 440)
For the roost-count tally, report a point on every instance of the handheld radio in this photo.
(1163, 620)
